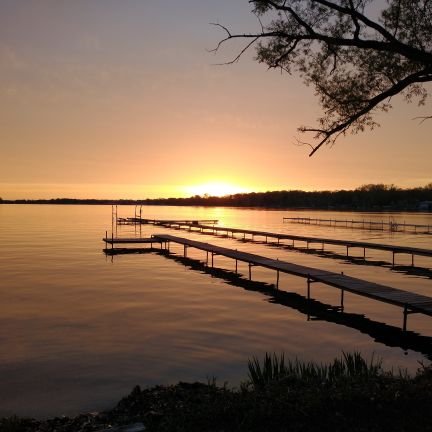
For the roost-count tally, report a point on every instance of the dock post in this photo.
(250, 271)
(342, 300)
(212, 259)
(112, 239)
(207, 258)
(412, 260)
(236, 267)
(185, 251)
(112, 218)
(405, 316)
(347, 248)
(393, 262)
(308, 287)
(277, 279)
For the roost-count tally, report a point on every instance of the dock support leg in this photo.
(393, 262)
(250, 271)
(185, 251)
(112, 239)
(412, 260)
(207, 258)
(347, 251)
(308, 287)
(212, 259)
(405, 316)
(342, 300)
(236, 267)
(364, 254)
(277, 279)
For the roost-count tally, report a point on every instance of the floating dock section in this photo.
(139, 220)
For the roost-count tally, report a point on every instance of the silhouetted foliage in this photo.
(367, 197)
(355, 63)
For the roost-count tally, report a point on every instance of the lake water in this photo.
(78, 329)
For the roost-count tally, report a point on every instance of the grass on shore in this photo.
(349, 394)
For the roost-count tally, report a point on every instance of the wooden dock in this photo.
(132, 240)
(392, 226)
(408, 301)
(139, 220)
(348, 244)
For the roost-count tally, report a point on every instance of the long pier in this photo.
(392, 226)
(348, 244)
(410, 302)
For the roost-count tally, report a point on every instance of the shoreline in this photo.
(278, 395)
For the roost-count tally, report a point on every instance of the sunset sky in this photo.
(122, 99)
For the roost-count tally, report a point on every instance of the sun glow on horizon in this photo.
(214, 189)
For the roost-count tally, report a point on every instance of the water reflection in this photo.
(79, 330)
(313, 310)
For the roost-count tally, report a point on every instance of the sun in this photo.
(214, 189)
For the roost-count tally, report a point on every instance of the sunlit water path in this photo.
(78, 329)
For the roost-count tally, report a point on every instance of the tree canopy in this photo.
(356, 63)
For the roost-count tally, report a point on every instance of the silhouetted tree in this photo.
(355, 63)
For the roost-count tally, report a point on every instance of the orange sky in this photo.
(109, 99)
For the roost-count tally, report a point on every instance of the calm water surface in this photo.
(78, 329)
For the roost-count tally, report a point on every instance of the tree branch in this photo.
(372, 103)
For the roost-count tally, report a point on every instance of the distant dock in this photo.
(139, 220)
(362, 224)
(408, 301)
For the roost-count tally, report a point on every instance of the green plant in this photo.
(274, 368)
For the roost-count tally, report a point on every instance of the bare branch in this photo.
(423, 118)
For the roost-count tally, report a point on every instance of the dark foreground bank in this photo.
(348, 395)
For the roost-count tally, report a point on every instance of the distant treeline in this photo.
(367, 197)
